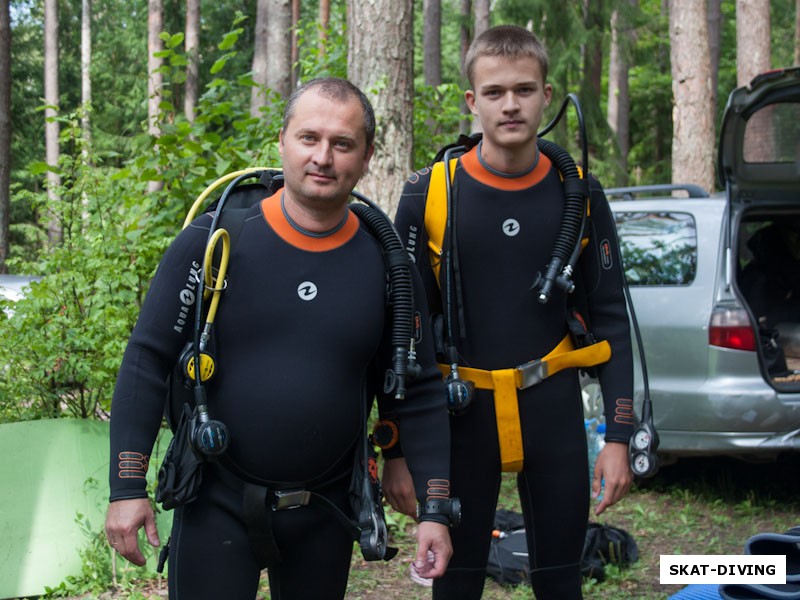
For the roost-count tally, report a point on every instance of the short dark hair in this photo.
(511, 41)
(337, 89)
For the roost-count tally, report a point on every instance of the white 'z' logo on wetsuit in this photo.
(307, 290)
(511, 227)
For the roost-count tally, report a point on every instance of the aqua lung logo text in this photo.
(411, 246)
(187, 296)
(511, 227)
(307, 290)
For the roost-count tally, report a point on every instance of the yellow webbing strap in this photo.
(506, 382)
(436, 212)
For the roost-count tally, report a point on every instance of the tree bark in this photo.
(714, 41)
(279, 46)
(692, 127)
(481, 11)
(752, 40)
(432, 42)
(192, 46)
(257, 96)
(324, 23)
(155, 80)
(468, 124)
(272, 55)
(295, 52)
(380, 47)
(86, 77)
(51, 100)
(618, 114)
(5, 131)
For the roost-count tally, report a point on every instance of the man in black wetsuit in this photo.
(302, 327)
(510, 202)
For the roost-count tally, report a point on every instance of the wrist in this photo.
(446, 511)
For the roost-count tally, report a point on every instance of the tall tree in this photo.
(618, 113)
(481, 11)
(51, 100)
(5, 130)
(381, 64)
(692, 126)
(468, 124)
(295, 53)
(324, 23)
(86, 77)
(432, 42)
(155, 78)
(272, 55)
(752, 40)
(714, 45)
(192, 45)
(258, 95)
(279, 44)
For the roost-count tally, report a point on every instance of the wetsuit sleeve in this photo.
(410, 224)
(602, 271)
(164, 325)
(422, 416)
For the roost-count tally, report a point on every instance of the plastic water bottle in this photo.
(595, 440)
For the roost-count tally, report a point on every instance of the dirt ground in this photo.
(697, 506)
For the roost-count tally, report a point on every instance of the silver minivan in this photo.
(715, 283)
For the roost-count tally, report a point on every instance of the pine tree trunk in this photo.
(5, 130)
(714, 41)
(155, 80)
(692, 127)
(481, 12)
(432, 42)
(380, 47)
(86, 78)
(259, 69)
(324, 23)
(279, 47)
(51, 100)
(618, 114)
(192, 45)
(752, 40)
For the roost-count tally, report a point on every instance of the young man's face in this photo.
(509, 98)
(324, 149)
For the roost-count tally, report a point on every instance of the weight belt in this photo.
(506, 382)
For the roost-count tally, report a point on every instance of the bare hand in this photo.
(398, 487)
(123, 521)
(611, 467)
(433, 537)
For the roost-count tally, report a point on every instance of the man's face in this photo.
(509, 98)
(324, 150)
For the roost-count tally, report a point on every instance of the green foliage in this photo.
(313, 60)
(63, 345)
(101, 570)
(437, 112)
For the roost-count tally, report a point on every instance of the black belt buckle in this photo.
(288, 499)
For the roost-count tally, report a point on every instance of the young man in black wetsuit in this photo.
(302, 325)
(510, 202)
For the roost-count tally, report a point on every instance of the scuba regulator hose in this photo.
(567, 247)
(401, 294)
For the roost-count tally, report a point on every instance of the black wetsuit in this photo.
(301, 326)
(505, 231)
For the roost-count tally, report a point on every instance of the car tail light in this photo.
(731, 328)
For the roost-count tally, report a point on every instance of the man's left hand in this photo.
(433, 537)
(613, 468)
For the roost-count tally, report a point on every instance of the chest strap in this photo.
(506, 382)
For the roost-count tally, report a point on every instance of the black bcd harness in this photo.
(200, 441)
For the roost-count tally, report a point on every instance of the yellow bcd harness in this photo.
(504, 382)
